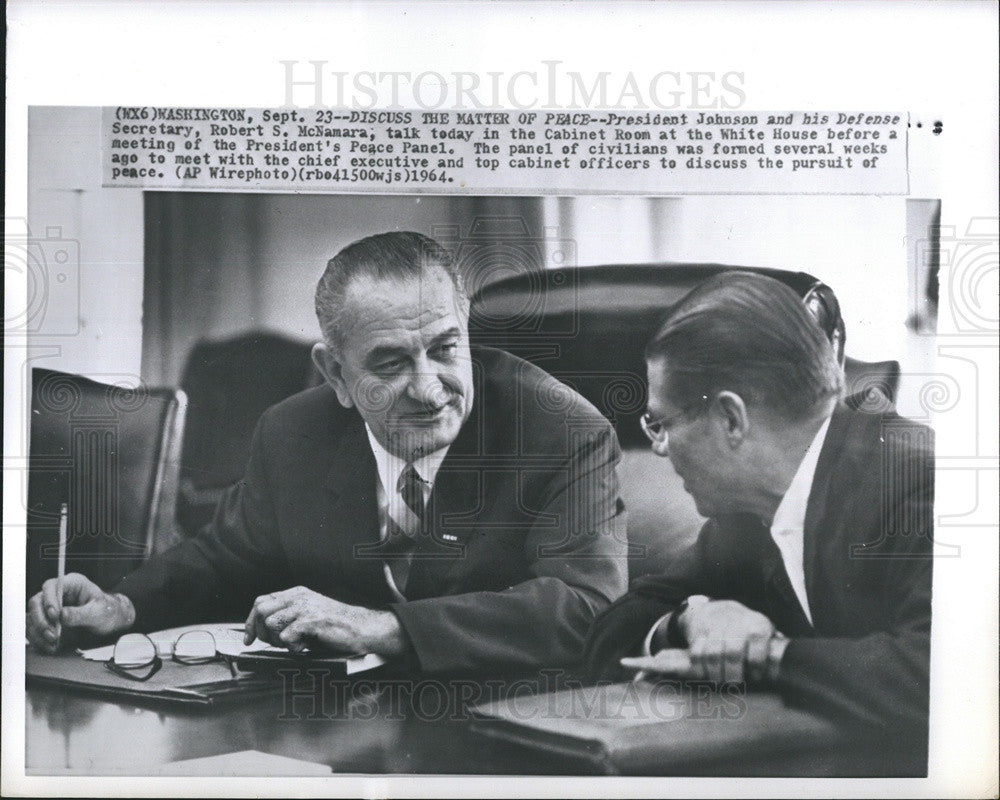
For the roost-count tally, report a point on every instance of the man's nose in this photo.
(425, 387)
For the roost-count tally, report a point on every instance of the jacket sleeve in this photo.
(578, 568)
(621, 629)
(216, 574)
(881, 679)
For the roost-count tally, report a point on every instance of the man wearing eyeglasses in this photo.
(812, 575)
(430, 503)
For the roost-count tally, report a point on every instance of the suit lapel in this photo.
(351, 481)
(453, 505)
(784, 609)
(828, 469)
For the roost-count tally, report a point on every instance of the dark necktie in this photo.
(399, 552)
(411, 488)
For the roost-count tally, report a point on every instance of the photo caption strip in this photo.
(327, 150)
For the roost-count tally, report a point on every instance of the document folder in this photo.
(271, 661)
(192, 685)
(669, 728)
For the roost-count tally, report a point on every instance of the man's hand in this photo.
(299, 618)
(724, 637)
(85, 606)
(727, 643)
(669, 661)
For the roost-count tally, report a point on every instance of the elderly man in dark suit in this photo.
(457, 509)
(813, 572)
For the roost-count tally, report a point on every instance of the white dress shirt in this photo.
(390, 503)
(788, 527)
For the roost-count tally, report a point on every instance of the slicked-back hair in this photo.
(751, 335)
(397, 255)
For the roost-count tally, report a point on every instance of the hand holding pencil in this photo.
(61, 569)
(73, 602)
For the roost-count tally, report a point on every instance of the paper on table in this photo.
(245, 762)
(228, 640)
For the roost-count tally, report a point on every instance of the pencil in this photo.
(62, 555)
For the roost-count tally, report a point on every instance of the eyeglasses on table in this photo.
(136, 658)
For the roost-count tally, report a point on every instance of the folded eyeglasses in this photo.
(136, 658)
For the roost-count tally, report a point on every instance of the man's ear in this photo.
(733, 413)
(330, 368)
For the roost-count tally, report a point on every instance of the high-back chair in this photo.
(112, 454)
(588, 327)
(229, 384)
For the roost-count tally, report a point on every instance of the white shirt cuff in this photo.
(647, 643)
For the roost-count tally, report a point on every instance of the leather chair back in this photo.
(111, 454)
(229, 384)
(877, 381)
(588, 326)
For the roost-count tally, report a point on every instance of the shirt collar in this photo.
(390, 466)
(791, 512)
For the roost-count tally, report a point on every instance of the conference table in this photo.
(368, 726)
(72, 734)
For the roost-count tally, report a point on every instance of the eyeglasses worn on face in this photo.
(135, 656)
(656, 428)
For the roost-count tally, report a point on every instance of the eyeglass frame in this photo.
(156, 662)
(656, 430)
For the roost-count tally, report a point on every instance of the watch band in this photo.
(675, 636)
(775, 651)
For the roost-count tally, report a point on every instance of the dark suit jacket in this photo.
(528, 530)
(868, 553)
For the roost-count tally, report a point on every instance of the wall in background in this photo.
(873, 251)
(220, 264)
(857, 245)
(90, 319)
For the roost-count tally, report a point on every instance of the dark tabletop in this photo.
(366, 724)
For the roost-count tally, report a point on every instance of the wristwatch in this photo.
(775, 651)
(675, 636)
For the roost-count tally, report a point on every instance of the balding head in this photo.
(393, 256)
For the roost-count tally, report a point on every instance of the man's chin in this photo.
(703, 509)
(420, 438)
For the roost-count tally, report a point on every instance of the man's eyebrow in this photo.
(452, 333)
(382, 352)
